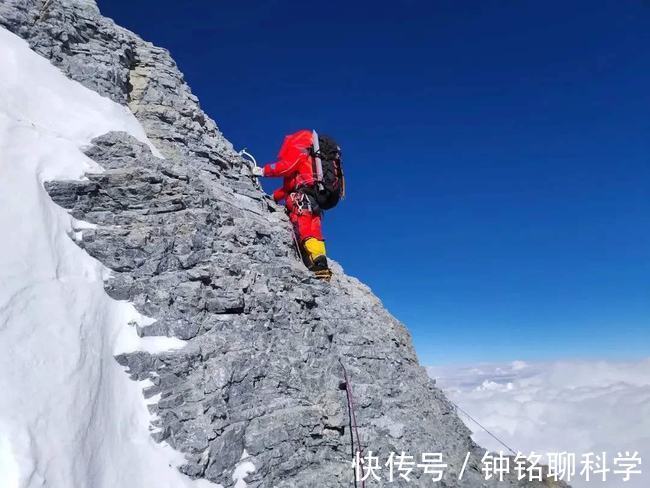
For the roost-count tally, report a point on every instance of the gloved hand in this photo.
(257, 171)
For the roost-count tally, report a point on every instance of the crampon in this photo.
(323, 274)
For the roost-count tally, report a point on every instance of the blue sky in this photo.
(497, 154)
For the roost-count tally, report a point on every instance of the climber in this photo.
(313, 182)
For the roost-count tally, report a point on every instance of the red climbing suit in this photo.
(295, 165)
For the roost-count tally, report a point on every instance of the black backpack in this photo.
(329, 185)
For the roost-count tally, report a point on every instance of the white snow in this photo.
(577, 406)
(243, 469)
(69, 415)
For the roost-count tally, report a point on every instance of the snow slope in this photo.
(69, 415)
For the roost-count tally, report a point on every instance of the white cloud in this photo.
(573, 406)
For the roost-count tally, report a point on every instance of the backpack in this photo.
(329, 183)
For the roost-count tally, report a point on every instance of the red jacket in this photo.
(294, 164)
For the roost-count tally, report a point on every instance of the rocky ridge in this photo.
(193, 243)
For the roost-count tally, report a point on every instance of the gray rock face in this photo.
(196, 245)
(116, 63)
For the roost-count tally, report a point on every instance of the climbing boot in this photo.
(320, 268)
(315, 250)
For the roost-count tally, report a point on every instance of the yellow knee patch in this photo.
(314, 248)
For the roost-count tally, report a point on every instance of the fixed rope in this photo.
(41, 14)
(485, 429)
(250, 159)
(355, 440)
(354, 429)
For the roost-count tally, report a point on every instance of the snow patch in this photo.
(69, 415)
(243, 469)
(129, 341)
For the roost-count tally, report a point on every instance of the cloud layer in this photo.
(574, 406)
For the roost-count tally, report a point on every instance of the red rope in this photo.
(353, 418)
